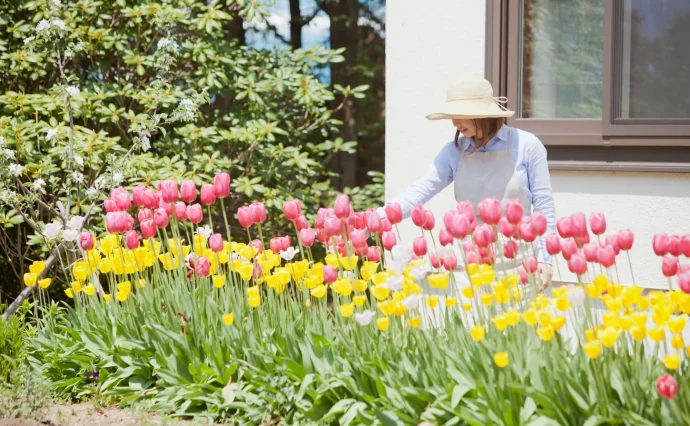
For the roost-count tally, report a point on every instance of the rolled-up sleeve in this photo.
(542, 194)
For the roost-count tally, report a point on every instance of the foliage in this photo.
(13, 334)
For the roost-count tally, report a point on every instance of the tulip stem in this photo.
(299, 239)
(632, 274)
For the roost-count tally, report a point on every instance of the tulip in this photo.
(342, 206)
(669, 265)
(333, 226)
(194, 213)
(435, 261)
(514, 211)
(684, 245)
(301, 223)
(257, 245)
(168, 190)
(674, 245)
(564, 226)
(591, 251)
(625, 239)
(506, 228)
(359, 221)
(358, 238)
(539, 223)
(117, 222)
(579, 224)
(86, 241)
(444, 237)
(221, 185)
(166, 206)
(530, 264)
(147, 198)
(374, 253)
(144, 214)
(373, 221)
(577, 264)
(386, 226)
(684, 281)
(208, 195)
(489, 210)
(388, 240)
(160, 217)
(606, 256)
(188, 189)
(526, 231)
(258, 211)
(612, 241)
(524, 278)
(321, 235)
(394, 213)
(244, 216)
(180, 210)
(307, 236)
(110, 206)
(466, 208)
(148, 228)
(429, 221)
(568, 248)
(472, 257)
(597, 222)
(202, 267)
(132, 240)
(121, 198)
(329, 274)
(450, 262)
(667, 386)
(553, 244)
(215, 243)
(460, 226)
(660, 244)
(448, 219)
(419, 246)
(137, 196)
(418, 216)
(292, 209)
(510, 249)
(482, 235)
(321, 216)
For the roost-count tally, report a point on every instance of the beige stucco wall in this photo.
(426, 47)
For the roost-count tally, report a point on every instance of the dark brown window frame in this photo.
(606, 144)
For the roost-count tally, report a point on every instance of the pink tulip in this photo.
(373, 221)
(321, 235)
(388, 240)
(386, 226)
(358, 238)
(577, 264)
(487, 255)
(257, 245)
(321, 215)
(539, 223)
(359, 220)
(258, 272)
(564, 226)
(506, 228)
(582, 239)
(168, 190)
(215, 243)
(121, 198)
(674, 245)
(419, 246)
(597, 222)
(132, 240)
(568, 248)
(514, 211)
(450, 262)
(490, 210)
(244, 216)
(137, 194)
(307, 236)
(683, 268)
(435, 261)
(180, 210)
(208, 195)
(553, 244)
(472, 257)
(429, 221)
(660, 244)
(524, 278)
(460, 226)
(684, 281)
(166, 206)
(579, 222)
(301, 223)
(194, 213)
(258, 211)
(394, 213)
(188, 189)
(669, 265)
(466, 208)
(667, 386)
(530, 264)
(110, 206)
(374, 253)
(202, 267)
(117, 222)
(292, 209)
(482, 235)
(625, 239)
(329, 274)
(684, 246)
(606, 256)
(161, 218)
(418, 216)
(448, 218)
(342, 206)
(148, 228)
(144, 214)
(526, 231)
(444, 237)
(510, 249)
(591, 251)
(149, 198)
(332, 226)
(612, 240)
(86, 241)
(221, 185)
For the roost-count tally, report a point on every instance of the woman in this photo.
(487, 159)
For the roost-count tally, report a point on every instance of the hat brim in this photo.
(453, 110)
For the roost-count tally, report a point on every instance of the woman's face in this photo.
(466, 127)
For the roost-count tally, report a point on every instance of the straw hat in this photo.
(471, 97)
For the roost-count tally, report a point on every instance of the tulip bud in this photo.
(180, 210)
(506, 228)
(419, 246)
(674, 245)
(482, 235)
(148, 228)
(669, 265)
(388, 240)
(194, 213)
(165, 206)
(418, 216)
(168, 190)
(386, 226)
(667, 386)
(526, 231)
(579, 223)
(374, 253)
(510, 249)
(466, 208)
(450, 262)
(591, 251)
(625, 239)
(684, 281)
(161, 218)
(307, 236)
(244, 216)
(188, 189)
(149, 199)
(215, 243)
(564, 226)
(435, 261)
(524, 278)
(332, 226)
(612, 240)
(489, 210)
(577, 264)
(132, 240)
(429, 221)
(301, 223)
(568, 248)
(472, 257)
(444, 237)
(221, 185)
(258, 211)
(553, 244)
(110, 206)
(460, 226)
(660, 244)
(539, 223)
(514, 211)
(358, 238)
(121, 198)
(137, 196)
(329, 274)
(208, 195)
(606, 256)
(292, 209)
(257, 245)
(202, 267)
(597, 222)
(530, 264)
(684, 245)
(144, 214)
(394, 213)
(86, 241)
(373, 221)
(342, 206)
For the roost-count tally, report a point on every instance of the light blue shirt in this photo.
(529, 157)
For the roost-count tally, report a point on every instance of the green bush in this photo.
(13, 334)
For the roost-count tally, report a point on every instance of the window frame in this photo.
(565, 138)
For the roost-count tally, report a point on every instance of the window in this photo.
(605, 84)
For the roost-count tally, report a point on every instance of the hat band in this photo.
(498, 100)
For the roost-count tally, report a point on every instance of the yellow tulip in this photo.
(487, 276)
(37, 267)
(608, 336)
(312, 281)
(676, 324)
(672, 361)
(348, 263)
(347, 309)
(343, 287)
(467, 307)
(631, 295)
(476, 281)
(546, 333)
(69, 293)
(529, 317)
(368, 270)
(76, 286)
(544, 318)
(121, 295)
(331, 259)
(610, 319)
(319, 291)
(592, 349)
(500, 322)
(642, 304)
(501, 359)
(558, 322)
(592, 291)
(360, 285)
(413, 288)
(44, 283)
(381, 292)
(502, 296)
(640, 319)
(472, 269)
(439, 280)
(254, 301)
(517, 294)
(380, 277)
(30, 279)
(245, 270)
(106, 297)
(638, 333)
(382, 323)
(511, 280)
(169, 262)
(590, 334)
(512, 317)
(478, 332)
(414, 322)
(228, 319)
(451, 301)
(625, 322)
(486, 299)
(468, 292)
(432, 301)
(125, 286)
(562, 304)
(387, 307)
(601, 283)
(90, 290)
(359, 300)
(253, 291)
(657, 334)
(79, 271)
(400, 309)
(218, 281)
(677, 342)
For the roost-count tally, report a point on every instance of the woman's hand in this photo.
(543, 276)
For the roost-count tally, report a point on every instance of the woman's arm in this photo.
(542, 194)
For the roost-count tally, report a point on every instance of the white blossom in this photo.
(7, 196)
(412, 301)
(98, 183)
(78, 177)
(73, 91)
(78, 47)
(397, 266)
(42, 26)
(289, 254)
(117, 178)
(79, 160)
(204, 232)
(576, 297)
(70, 235)
(418, 272)
(59, 24)
(52, 230)
(16, 170)
(29, 40)
(145, 143)
(365, 317)
(444, 252)
(75, 223)
(8, 153)
(167, 45)
(91, 192)
(189, 260)
(395, 282)
(57, 3)
(401, 252)
(51, 134)
(38, 184)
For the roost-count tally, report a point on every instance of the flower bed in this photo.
(172, 312)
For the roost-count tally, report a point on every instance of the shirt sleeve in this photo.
(438, 177)
(542, 194)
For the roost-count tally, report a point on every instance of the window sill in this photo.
(619, 166)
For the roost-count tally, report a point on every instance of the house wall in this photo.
(426, 47)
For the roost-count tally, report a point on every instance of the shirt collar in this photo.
(502, 135)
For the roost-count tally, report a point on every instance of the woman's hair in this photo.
(486, 127)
